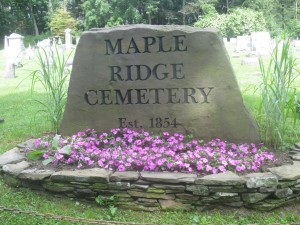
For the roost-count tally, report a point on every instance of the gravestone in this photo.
(68, 38)
(159, 78)
(243, 43)
(261, 43)
(14, 47)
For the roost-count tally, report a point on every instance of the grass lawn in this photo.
(22, 121)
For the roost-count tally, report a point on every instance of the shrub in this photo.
(61, 20)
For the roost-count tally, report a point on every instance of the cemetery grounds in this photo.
(23, 121)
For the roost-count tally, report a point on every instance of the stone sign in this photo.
(159, 78)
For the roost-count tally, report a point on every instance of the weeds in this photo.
(53, 75)
(278, 95)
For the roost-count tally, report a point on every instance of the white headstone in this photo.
(243, 43)
(68, 38)
(15, 43)
(261, 43)
(5, 42)
(232, 40)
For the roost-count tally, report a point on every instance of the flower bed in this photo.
(129, 150)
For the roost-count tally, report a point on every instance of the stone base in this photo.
(151, 191)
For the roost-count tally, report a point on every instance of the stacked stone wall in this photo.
(152, 191)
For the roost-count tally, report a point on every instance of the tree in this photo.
(61, 20)
(239, 21)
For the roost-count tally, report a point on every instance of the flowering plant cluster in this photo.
(126, 149)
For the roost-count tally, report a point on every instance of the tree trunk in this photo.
(183, 11)
(35, 27)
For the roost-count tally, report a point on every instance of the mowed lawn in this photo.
(23, 121)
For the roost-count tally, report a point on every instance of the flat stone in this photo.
(296, 157)
(228, 178)
(297, 145)
(147, 200)
(139, 186)
(286, 184)
(125, 176)
(87, 175)
(295, 148)
(254, 197)
(34, 174)
(119, 185)
(57, 187)
(155, 190)
(283, 193)
(234, 204)
(267, 189)
(174, 205)
(228, 189)
(257, 180)
(12, 156)
(169, 187)
(201, 190)
(99, 186)
(26, 144)
(169, 177)
(287, 172)
(187, 196)
(15, 169)
(150, 195)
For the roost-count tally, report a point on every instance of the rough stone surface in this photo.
(179, 72)
(168, 177)
(173, 205)
(15, 169)
(201, 190)
(257, 180)
(57, 187)
(287, 172)
(12, 156)
(34, 174)
(228, 178)
(150, 195)
(119, 185)
(170, 187)
(228, 189)
(254, 197)
(283, 193)
(125, 176)
(267, 189)
(87, 175)
(27, 144)
(296, 157)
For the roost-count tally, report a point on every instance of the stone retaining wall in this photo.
(151, 191)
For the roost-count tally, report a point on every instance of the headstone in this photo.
(243, 43)
(159, 78)
(232, 40)
(261, 43)
(15, 46)
(5, 43)
(77, 40)
(68, 38)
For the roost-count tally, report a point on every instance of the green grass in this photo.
(23, 122)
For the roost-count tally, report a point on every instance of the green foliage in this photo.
(108, 201)
(61, 20)
(278, 92)
(35, 155)
(238, 22)
(53, 75)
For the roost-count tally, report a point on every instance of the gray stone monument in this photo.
(68, 38)
(15, 46)
(157, 78)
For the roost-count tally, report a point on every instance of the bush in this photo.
(239, 22)
(61, 20)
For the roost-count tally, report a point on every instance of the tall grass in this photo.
(278, 95)
(53, 75)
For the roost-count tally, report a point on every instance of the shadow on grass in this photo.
(22, 119)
